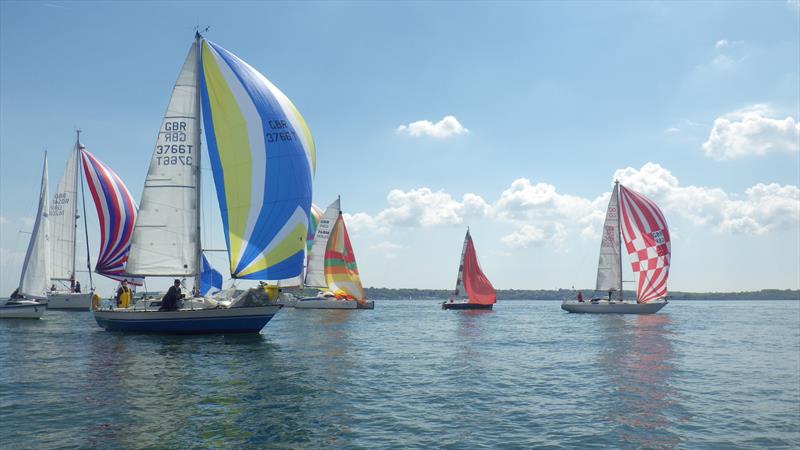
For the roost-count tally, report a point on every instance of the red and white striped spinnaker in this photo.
(116, 211)
(647, 242)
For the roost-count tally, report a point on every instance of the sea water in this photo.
(698, 374)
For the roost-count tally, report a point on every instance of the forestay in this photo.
(262, 157)
(647, 242)
(35, 275)
(341, 270)
(165, 236)
(116, 213)
(315, 270)
(609, 266)
(63, 217)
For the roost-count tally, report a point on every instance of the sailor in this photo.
(53, 287)
(170, 300)
(78, 287)
(580, 297)
(123, 297)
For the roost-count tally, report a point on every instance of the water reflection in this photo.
(639, 362)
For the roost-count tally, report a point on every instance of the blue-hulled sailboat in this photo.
(262, 157)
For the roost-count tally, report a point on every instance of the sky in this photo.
(511, 118)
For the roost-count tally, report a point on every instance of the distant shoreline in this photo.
(561, 294)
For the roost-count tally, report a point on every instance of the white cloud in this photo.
(447, 127)
(762, 208)
(672, 130)
(361, 222)
(721, 43)
(531, 235)
(385, 245)
(751, 131)
(423, 207)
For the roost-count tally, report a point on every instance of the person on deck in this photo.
(580, 297)
(123, 297)
(609, 294)
(15, 294)
(170, 300)
(52, 287)
(78, 287)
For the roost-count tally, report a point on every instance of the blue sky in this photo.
(532, 109)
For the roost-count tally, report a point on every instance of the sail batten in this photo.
(259, 149)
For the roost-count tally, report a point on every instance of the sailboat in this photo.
(471, 283)
(262, 159)
(638, 220)
(63, 225)
(332, 266)
(35, 274)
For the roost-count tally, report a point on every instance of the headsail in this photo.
(35, 275)
(313, 222)
(210, 278)
(165, 237)
(647, 242)
(478, 288)
(262, 157)
(116, 212)
(63, 217)
(341, 270)
(608, 268)
(315, 270)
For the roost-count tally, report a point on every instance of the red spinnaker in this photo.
(479, 289)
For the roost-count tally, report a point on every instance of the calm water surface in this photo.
(696, 375)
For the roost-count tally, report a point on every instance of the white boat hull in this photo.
(68, 300)
(315, 303)
(606, 307)
(24, 309)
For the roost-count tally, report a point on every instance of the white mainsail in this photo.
(315, 270)
(63, 220)
(165, 237)
(609, 266)
(461, 291)
(36, 269)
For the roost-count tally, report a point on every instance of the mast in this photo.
(198, 39)
(75, 204)
(79, 175)
(619, 233)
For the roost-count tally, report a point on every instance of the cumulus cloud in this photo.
(424, 207)
(721, 43)
(445, 128)
(751, 131)
(531, 235)
(362, 222)
(385, 245)
(761, 208)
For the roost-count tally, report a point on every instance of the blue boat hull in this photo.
(234, 320)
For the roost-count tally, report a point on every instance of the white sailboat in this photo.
(35, 276)
(638, 220)
(332, 266)
(63, 225)
(262, 158)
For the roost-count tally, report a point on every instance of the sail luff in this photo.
(35, 275)
(315, 270)
(165, 239)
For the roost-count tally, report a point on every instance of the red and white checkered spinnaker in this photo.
(647, 241)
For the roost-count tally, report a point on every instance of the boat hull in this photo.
(68, 300)
(317, 303)
(199, 321)
(23, 310)
(366, 304)
(612, 307)
(460, 306)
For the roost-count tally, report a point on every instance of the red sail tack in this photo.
(479, 289)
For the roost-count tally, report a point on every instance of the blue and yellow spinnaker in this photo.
(262, 157)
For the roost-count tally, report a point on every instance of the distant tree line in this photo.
(560, 294)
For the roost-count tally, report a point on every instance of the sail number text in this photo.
(280, 136)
